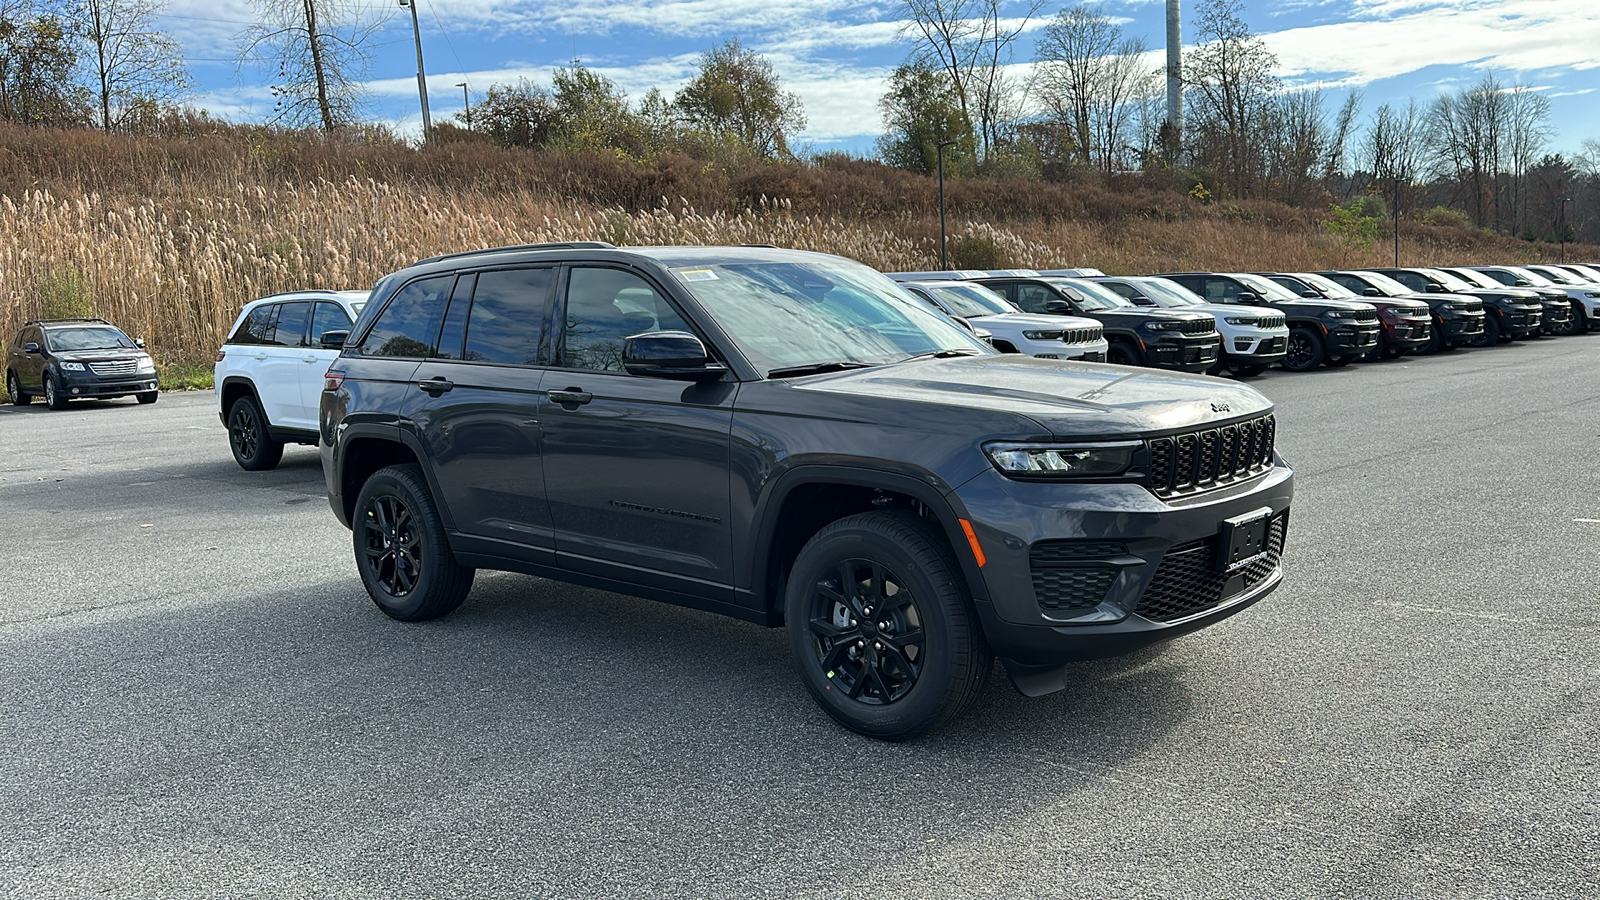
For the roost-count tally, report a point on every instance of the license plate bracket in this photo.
(1242, 540)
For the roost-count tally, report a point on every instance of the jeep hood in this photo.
(1068, 400)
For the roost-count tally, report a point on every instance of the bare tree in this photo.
(1395, 147)
(319, 50)
(1231, 86)
(1466, 129)
(972, 43)
(1527, 132)
(132, 65)
(1089, 78)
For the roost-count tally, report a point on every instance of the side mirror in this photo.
(1141, 300)
(1311, 294)
(139, 342)
(333, 340)
(1249, 297)
(1522, 282)
(964, 323)
(1058, 308)
(669, 354)
(1433, 288)
(1371, 292)
(30, 347)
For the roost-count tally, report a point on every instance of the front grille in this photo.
(1196, 326)
(1365, 315)
(1083, 335)
(1072, 574)
(1271, 322)
(1188, 463)
(1098, 356)
(1466, 306)
(114, 367)
(1187, 581)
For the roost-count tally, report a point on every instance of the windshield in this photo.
(1387, 285)
(1329, 288)
(1450, 281)
(1588, 275)
(972, 300)
(1555, 275)
(1093, 296)
(1477, 279)
(89, 337)
(1266, 287)
(795, 314)
(1532, 276)
(1169, 294)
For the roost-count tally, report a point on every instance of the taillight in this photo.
(221, 354)
(332, 380)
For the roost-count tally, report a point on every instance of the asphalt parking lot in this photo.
(197, 699)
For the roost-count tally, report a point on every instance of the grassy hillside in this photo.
(169, 237)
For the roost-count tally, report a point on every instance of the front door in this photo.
(278, 365)
(636, 468)
(477, 407)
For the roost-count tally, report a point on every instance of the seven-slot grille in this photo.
(114, 367)
(1365, 315)
(1196, 326)
(1187, 581)
(1201, 460)
(1271, 322)
(1083, 335)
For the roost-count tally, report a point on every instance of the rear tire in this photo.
(1122, 353)
(14, 389)
(253, 447)
(881, 627)
(1305, 350)
(53, 397)
(401, 550)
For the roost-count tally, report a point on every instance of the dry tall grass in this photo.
(172, 255)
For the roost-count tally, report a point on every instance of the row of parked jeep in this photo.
(1244, 322)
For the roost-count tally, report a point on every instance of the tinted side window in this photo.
(603, 307)
(409, 324)
(1348, 281)
(1033, 297)
(256, 326)
(508, 315)
(327, 317)
(290, 329)
(1411, 280)
(1225, 290)
(1125, 290)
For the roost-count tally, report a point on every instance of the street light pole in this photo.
(944, 245)
(467, 101)
(1395, 213)
(422, 78)
(1561, 230)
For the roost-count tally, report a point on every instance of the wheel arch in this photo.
(231, 389)
(363, 452)
(805, 500)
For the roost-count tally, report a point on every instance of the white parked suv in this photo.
(1011, 330)
(1252, 338)
(269, 371)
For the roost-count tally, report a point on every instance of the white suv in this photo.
(1011, 330)
(1252, 338)
(269, 371)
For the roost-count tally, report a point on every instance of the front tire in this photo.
(148, 397)
(1490, 335)
(1305, 350)
(1575, 324)
(253, 447)
(401, 550)
(14, 389)
(53, 396)
(881, 627)
(1122, 353)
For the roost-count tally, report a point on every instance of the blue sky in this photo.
(836, 54)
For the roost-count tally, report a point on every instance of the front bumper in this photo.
(1086, 571)
(79, 385)
(1353, 339)
(1520, 323)
(1183, 353)
(1556, 315)
(1408, 334)
(1094, 351)
(1258, 348)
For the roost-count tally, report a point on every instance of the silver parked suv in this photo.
(269, 372)
(1011, 330)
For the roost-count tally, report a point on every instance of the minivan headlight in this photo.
(1062, 460)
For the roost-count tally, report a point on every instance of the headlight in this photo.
(1161, 326)
(147, 365)
(1064, 460)
(1241, 320)
(1043, 335)
(72, 366)
(1344, 314)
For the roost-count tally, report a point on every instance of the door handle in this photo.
(575, 396)
(435, 386)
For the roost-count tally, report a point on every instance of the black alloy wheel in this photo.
(1122, 353)
(53, 397)
(1575, 323)
(1305, 350)
(253, 447)
(1490, 335)
(401, 550)
(881, 627)
(14, 389)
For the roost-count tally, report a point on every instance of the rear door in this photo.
(476, 409)
(325, 316)
(636, 468)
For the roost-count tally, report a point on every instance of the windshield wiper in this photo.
(944, 354)
(818, 368)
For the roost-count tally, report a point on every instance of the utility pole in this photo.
(466, 101)
(944, 245)
(1175, 78)
(1395, 214)
(422, 78)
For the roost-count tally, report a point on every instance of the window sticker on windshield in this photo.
(697, 275)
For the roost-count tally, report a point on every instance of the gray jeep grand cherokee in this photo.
(789, 438)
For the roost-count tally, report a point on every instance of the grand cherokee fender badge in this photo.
(1220, 408)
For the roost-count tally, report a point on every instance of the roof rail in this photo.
(66, 321)
(513, 248)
